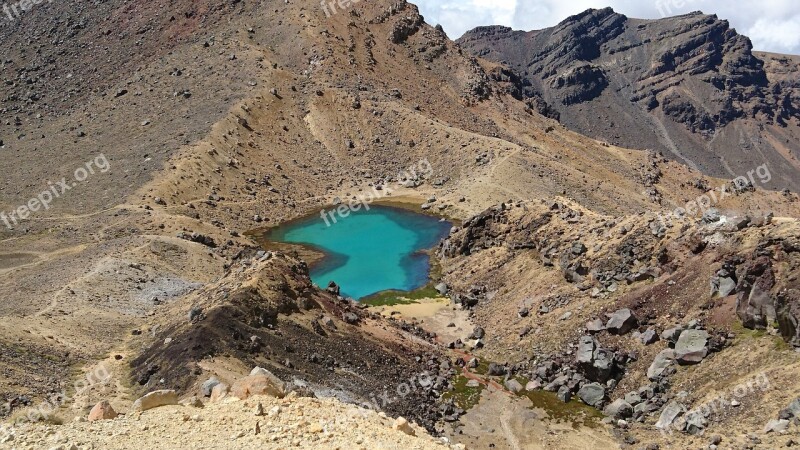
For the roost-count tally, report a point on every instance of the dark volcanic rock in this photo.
(787, 306)
(596, 363)
(333, 288)
(619, 409)
(621, 322)
(592, 394)
(496, 370)
(661, 362)
(754, 303)
(692, 346)
(693, 69)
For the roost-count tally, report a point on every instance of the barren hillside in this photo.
(205, 123)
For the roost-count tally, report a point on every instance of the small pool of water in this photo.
(368, 251)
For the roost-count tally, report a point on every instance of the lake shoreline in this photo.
(401, 213)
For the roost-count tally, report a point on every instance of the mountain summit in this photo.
(689, 86)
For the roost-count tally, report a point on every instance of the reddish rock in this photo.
(401, 424)
(259, 382)
(102, 411)
(219, 391)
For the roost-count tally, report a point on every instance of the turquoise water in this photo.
(368, 251)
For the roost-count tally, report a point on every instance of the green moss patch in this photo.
(464, 397)
(389, 298)
(574, 411)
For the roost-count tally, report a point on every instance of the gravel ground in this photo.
(293, 422)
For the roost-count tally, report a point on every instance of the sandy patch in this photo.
(421, 309)
(508, 422)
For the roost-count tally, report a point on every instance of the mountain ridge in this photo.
(689, 86)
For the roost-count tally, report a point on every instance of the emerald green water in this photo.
(368, 251)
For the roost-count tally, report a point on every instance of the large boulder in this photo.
(595, 326)
(350, 318)
(776, 426)
(333, 288)
(755, 306)
(671, 412)
(621, 321)
(787, 309)
(596, 363)
(633, 398)
(557, 383)
(533, 385)
(792, 411)
(646, 408)
(513, 385)
(219, 391)
(694, 422)
(692, 347)
(259, 382)
(564, 394)
(649, 337)
(619, 409)
(794, 407)
(603, 366)
(585, 353)
(724, 286)
(401, 424)
(671, 335)
(724, 281)
(156, 399)
(660, 363)
(496, 370)
(208, 385)
(592, 394)
(477, 333)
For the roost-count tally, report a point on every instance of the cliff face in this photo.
(690, 86)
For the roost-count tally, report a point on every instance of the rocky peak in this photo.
(599, 69)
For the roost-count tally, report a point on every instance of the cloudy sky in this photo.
(773, 25)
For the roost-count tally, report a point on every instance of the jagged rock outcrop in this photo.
(597, 363)
(634, 259)
(677, 82)
(755, 304)
(248, 315)
(787, 305)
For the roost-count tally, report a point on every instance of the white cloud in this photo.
(773, 25)
(782, 36)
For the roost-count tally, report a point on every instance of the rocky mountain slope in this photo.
(219, 119)
(647, 320)
(688, 86)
